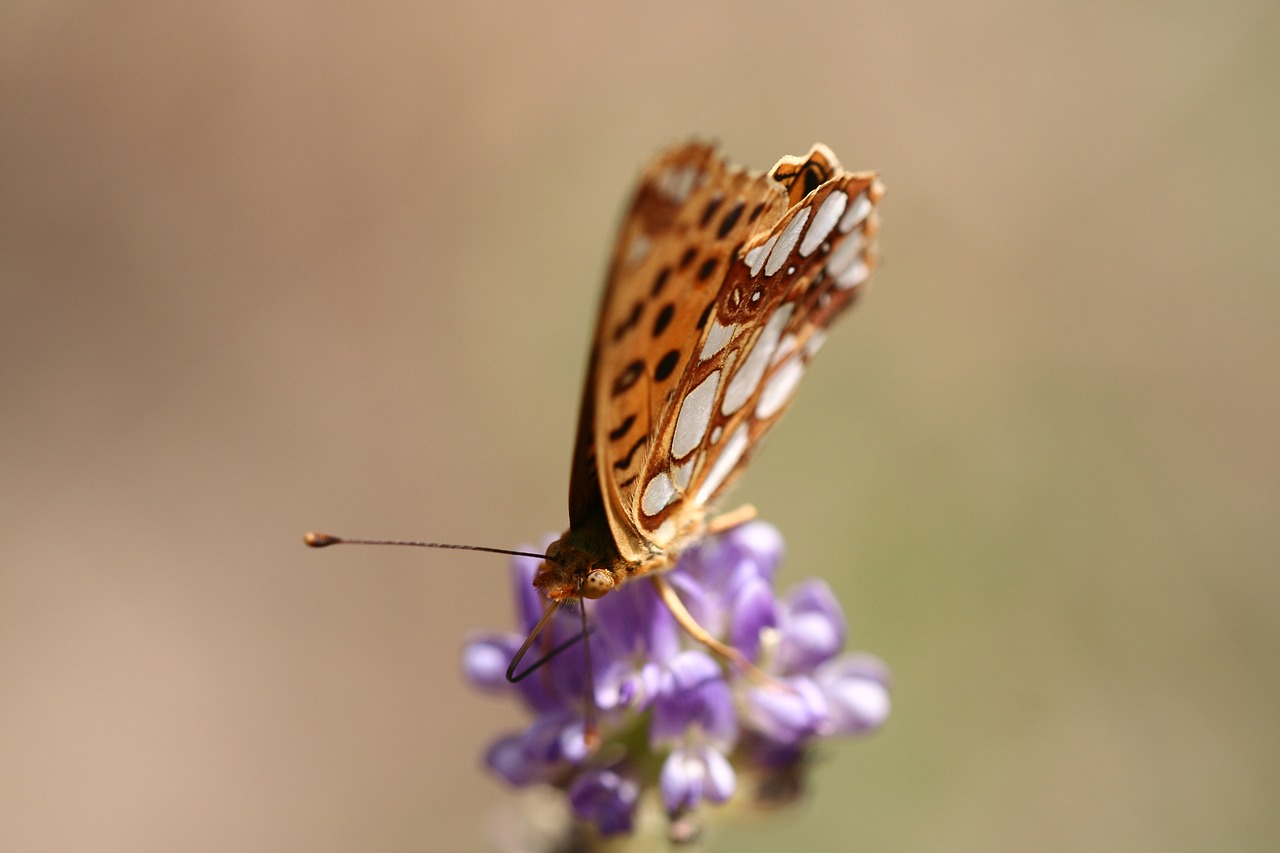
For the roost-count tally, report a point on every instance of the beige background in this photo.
(274, 266)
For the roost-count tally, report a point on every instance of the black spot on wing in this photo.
(622, 429)
(710, 212)
(628, 324)
(628, 377)
(707, 268)
(660, 281)
(666, 365)
(625, 462)
(663, 319)
(688, 256)
(730, 219)
(814, 176)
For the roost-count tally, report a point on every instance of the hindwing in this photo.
(721, 285)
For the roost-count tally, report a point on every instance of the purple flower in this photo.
(690, 773)
(693, 693)
(790, 713)
(812, 627)
(606, 798)
(857, 691)
(675, 718)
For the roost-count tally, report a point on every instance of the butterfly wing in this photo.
(721, 285)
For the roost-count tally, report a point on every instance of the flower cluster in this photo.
(672, 715)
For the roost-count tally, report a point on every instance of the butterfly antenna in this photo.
(324, 540)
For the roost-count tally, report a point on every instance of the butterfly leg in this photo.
(733, 518)
(729, 653)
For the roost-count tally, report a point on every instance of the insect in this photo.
(720, 290)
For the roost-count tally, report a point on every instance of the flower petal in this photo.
(757, 541)
(753, 610)
(693, 692)
(786, 716)
(680, 782)
(606, 798)
(544, 739)
(634, 621)
(485, 658)
(539, 751)
(813, 628)
(721, 779)
(691, 774)
(701, 601)
(857, 691)
(507, 758)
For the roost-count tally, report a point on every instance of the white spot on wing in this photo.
(657, 494)
(755, 258)
(695, 415)
(823, 222)
(677, 184)
(815, 342)
(715, 433)
(854, 276)
(844, 255)
(716, 339)
(638, 249)
(778, 390)
(724, 464)
(856, 213)
(786, 242)
(683, 473)
(785, 347)
(747, 377)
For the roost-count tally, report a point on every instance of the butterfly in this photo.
(722, 285)
(720, 291)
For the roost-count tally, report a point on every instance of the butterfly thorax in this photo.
(585, 563)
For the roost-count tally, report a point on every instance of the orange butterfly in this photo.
(721, 287)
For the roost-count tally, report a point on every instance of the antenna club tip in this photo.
(320, 540)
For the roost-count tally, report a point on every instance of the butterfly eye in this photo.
(598, 583)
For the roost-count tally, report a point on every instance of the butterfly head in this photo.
(573, 569)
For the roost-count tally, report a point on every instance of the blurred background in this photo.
(266, 268)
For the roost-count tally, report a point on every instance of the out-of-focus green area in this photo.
(272, 267)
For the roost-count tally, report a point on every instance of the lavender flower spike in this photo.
(680, 726)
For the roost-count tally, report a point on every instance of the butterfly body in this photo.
(721, 287)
